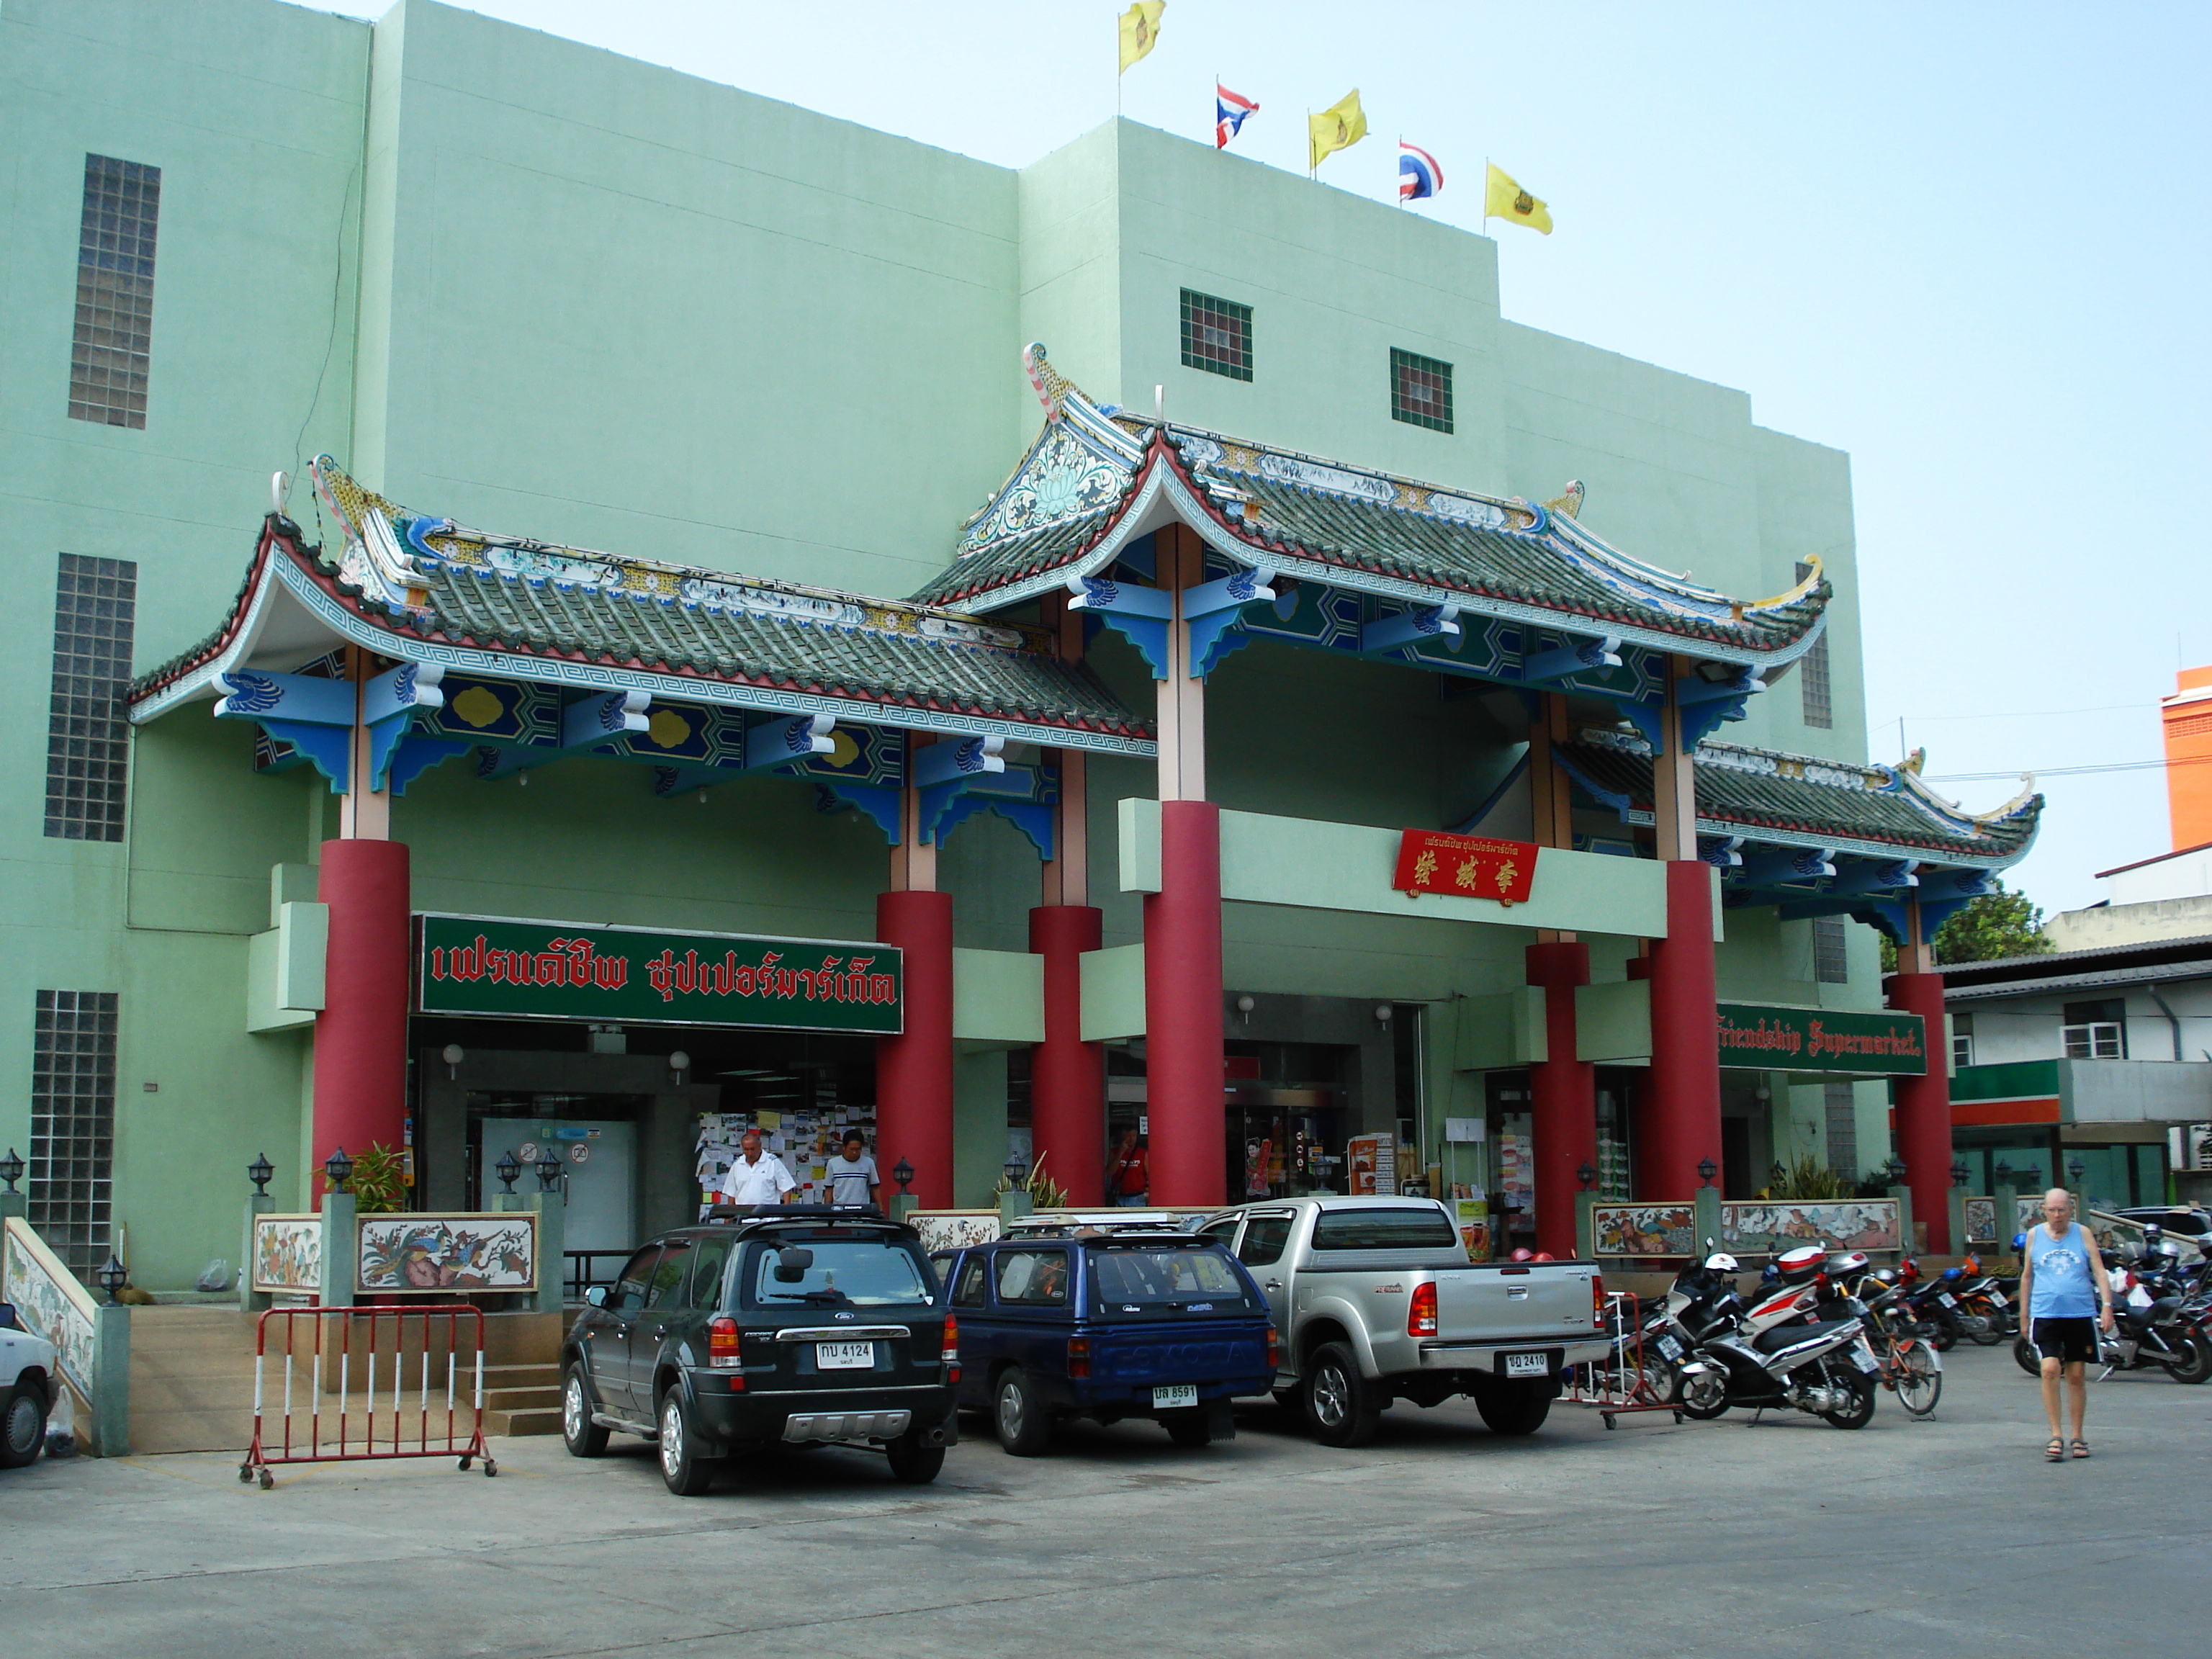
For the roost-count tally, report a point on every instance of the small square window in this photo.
(1217, 335)
(1420, 391)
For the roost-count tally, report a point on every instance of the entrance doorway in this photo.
(592, 1137)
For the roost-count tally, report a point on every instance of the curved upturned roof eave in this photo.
(1163, 487)
(285, 569)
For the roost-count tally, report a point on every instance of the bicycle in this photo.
(1911, 1367)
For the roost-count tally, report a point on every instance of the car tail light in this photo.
(1597, 1301)
(1079, 1356)
(722, 1343)
(1274, 1349)
(951, 1355)
(1421, 1318)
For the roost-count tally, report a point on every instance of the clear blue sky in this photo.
(1965, 242)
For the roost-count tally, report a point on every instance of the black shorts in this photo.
(2074, 1341)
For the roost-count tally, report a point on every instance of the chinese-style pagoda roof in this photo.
(1766, 796)
(414, 588)
(1095, 476)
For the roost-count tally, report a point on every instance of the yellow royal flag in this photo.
(1507, 200)
(1140, 30)
(1342, 125)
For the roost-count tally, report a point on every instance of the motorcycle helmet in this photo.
(1952, 1275)
(1543, 1256)
(1847, 1262)
(1720, 1262)
(1769, 1273)
(1524, 1254)
(1885, 1275)
(2018, 1243)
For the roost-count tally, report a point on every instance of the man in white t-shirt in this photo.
(853, 1178)
(756, 1177)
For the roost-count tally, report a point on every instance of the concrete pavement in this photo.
(1787, 1537)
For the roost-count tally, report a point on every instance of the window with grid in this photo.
(1962, 1039)
(88, 737)
(1831, 963)
(1217, 335)
(1420, 391)
(1840, 1110)
(2095, 1030)
(114, 291)
(73, 1123)
(1813, 687)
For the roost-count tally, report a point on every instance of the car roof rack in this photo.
(1101, 1224)
(742, 1213)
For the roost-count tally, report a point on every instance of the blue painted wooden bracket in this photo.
(1706, 704)
(780, 742)
(1873, 876)
(942, 763)
(1576, 657)
(596, 719)
(404, 689)
(329, 749)
(1613, 799)
(1412, 627)
(416, 755)
(295, 698)
(1722, 851)
(1889, 915)
(1213, 616)
(1033, 819)
(1645, 717)
(875, 801)
(1772, 866)
(1139, 614)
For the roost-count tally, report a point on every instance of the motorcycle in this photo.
(1985, 1309)
(1768, 1356)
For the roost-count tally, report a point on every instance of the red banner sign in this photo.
(1464, 866)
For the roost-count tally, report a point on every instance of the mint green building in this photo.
(533, 299)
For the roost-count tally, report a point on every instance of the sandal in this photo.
(2081, 1447)
(2056, 1451)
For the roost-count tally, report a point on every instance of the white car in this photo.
(27, 1395)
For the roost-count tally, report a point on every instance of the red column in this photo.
(360, 1035)
(1067, 1076)
(1183, 1069)
(914, 1070)
(1564, 1094)
(1680, 1120)
(1923, 1112)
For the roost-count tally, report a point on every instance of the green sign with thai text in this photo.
(1760, 1037)
(501, 968)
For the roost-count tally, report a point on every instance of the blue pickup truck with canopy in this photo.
(1107, 1324)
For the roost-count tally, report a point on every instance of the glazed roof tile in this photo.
(419, 578)
(1060, 511)
(1758, 793)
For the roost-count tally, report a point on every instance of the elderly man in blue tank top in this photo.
(2062, 1284)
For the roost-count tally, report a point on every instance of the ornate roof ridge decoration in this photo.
(417, 588)
(1095, 471)
(1809, 801)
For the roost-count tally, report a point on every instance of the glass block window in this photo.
(1841, 1111)
(1420, 391)
(87, 738)
(114, 291)
(1217, 335)
(73, 1123)
(1830, 964)
(1819, 709)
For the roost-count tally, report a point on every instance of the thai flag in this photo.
(1418, 175)
(1229, 109)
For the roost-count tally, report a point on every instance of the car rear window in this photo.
(844, 1273)
(1363, 1229)
(1167, 1282)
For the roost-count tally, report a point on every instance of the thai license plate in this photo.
(1865, 1361)
(1177, 1394)
(1528, 1365)
(844, 1356)
(1668, 1345)
(1998, 1297)
(1948, 1301)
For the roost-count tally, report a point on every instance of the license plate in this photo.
(1866, 1361)
(1948, 1302)
(1998, 1297)
(1668, 1345)
(1528, 1365)
(1180, 1395)
(844, 1356)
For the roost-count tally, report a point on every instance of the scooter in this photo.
(1767, 1361)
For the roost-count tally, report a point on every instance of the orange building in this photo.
(2187, 718)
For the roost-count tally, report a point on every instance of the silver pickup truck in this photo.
(1375, 1300)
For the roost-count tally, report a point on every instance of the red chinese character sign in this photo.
(1464, 866)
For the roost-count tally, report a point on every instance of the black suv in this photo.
(798, 1323)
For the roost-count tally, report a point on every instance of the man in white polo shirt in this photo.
(756, 1177)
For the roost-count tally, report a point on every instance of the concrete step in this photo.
(534, 1419)
(508, 1400)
